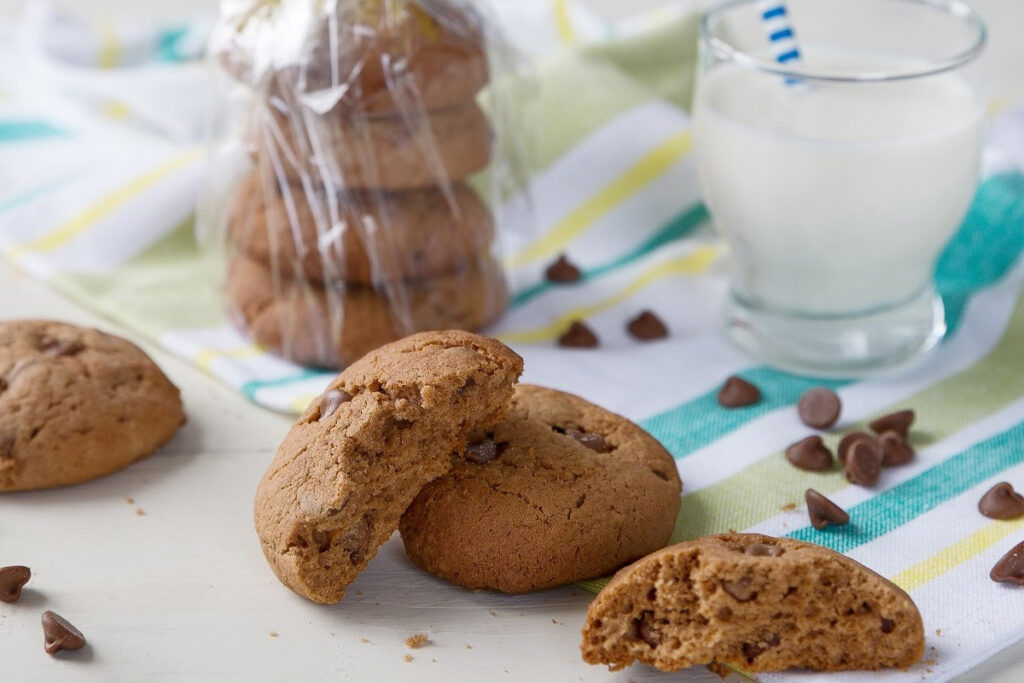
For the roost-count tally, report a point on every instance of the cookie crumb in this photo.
(272, 634)
(361, 640)
(788, 507)
(553, 621)
(719, 669)
(129, 500)
(417, 641)
(938, 631)
(468, 646)
(139, 512)
(494, 614)
(408, 658)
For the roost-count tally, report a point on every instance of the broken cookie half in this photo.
(754, 603)
(362, 451)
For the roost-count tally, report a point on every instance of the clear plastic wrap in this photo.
(366, 164)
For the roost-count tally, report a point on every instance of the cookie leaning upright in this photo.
(753, 603)
(77, 404)
(361, 453)
(559, 490)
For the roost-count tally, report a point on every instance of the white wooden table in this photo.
(160, 568)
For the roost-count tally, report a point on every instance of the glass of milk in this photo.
(837, 178)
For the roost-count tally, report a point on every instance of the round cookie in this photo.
(77, 404)
(362, 451)
(334, 325)
(558, 491)
(331, 237)
(414, 149)
(375, 57)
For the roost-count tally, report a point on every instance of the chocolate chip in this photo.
(819, 408)
(12, 579)
(888, 625)
(752, 650)
(896, 451)
(594, 442)
(847, 441)
(59, 634)
(864, 463)
(579, 336)
(644, 631)
(737, 393)
(485, 451)
(810, 454)
(356, 540)
(563, 270)
(1002, 502)
(762, 550)
(823, 511)
(647, 326)
(61, 347)
(898, 422)
(1010, 569)
(331, 401)
(741, 589)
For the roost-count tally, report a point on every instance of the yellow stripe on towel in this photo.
(104, 205)
(955, 555)
(563, 21)
(110, 51)
(204, 359)
(635, 178)
(694, 263)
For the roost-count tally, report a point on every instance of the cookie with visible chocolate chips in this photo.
(77, 404)
(753, 603)
(559, 490)
(360, 453)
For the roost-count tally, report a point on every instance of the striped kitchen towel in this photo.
(101, 156)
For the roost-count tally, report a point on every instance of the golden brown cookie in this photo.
(372, 55)
(558, 491)
(756, 604)
(414, 149)
(358, 237)
(361, 452)
(331, 326)
(77, 404)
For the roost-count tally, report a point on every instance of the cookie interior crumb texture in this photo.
(756, 604)
(360, 453)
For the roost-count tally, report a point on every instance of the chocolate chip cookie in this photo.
(414, 149)
(558, 491)
(77, 404)
(362, 452)
(378, 57)
(754, 603)
(358, 237)
(331, 326)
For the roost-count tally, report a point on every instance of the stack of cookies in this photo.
(356, 226)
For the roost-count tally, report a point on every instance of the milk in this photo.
(836, 198)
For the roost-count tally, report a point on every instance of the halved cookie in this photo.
(361, 453)
(559, 490)
(754, 603)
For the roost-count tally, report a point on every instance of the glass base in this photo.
(839, 347)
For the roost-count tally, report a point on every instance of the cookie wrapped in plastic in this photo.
(367, 161)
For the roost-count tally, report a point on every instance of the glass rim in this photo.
(954, 8)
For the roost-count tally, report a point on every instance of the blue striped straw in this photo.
(781, 37)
